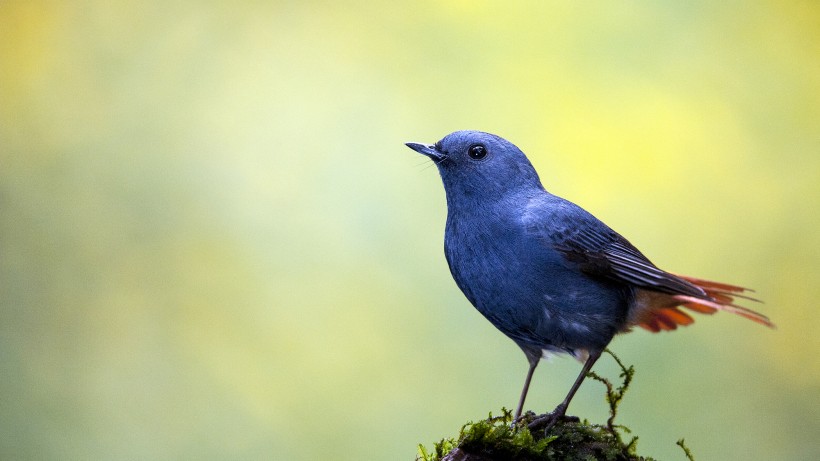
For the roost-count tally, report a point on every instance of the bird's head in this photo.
(476, 164)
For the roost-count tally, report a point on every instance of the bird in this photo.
(546, 272)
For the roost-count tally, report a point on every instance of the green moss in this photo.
(497, 438)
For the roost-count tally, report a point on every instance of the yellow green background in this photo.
(214, 244)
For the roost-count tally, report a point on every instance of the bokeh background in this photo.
(214, 245)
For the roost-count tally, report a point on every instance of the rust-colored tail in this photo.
(720, 297)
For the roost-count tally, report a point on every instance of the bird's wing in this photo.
(614, 257)
(600, 251)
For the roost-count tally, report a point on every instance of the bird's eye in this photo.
(477, 151)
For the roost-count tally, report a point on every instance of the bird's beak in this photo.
(426, 149)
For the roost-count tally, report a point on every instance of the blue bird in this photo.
(544, 271)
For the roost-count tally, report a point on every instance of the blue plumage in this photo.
(544, 271)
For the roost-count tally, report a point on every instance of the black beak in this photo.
(426, 149)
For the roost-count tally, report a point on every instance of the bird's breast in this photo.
(495, 262)
(526, 288)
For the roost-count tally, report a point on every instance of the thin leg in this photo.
(533, 364)
(561, 409)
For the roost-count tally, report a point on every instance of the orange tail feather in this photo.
(720, 297)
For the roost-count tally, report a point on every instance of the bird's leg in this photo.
(561, 409)
(533, 364)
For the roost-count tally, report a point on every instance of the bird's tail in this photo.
(719, 297)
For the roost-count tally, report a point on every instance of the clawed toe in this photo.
(548, 420)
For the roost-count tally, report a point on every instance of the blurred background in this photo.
(214, 244)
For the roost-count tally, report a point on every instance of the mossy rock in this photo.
(569, 439)
(495, 439)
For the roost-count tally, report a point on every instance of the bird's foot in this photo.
(548, 420)
(520, 419)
